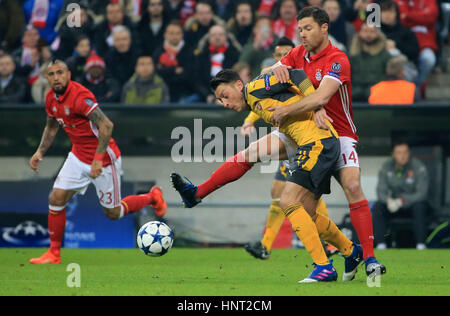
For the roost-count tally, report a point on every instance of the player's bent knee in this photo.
(112, 213)
(57, 200)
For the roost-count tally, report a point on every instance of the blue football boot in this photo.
(352, 262)
(186, 189)
(325, 273)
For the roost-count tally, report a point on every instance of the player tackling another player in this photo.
(94, 158)
(328, 68)
(318, 154)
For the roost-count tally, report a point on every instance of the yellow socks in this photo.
(329, 232)
(306, 230)
(273, 224)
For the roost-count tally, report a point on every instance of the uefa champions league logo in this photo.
(28, 233)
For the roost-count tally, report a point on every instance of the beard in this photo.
(60, 91)
(371, 42)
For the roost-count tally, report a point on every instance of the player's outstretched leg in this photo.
(231, 170)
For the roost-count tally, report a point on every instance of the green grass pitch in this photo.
(215, 272)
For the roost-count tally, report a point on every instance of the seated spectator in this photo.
(121, 58)
(44, 15)
(338, 25)
(199, 25)
(421, 18)
(282, 48)
(105, 89)
(241, 25)
(69, 35)
(285, 20)
(368, 57)
(173, 62)
(77, 62)
(395, 89)
(145, 87)
(261, 46)
(152, 26)
(12, 88)
(27, 57)
(181, 10)
(12, 23)
(399, 37)
(115, 16)
(244, 71)
(211, 57)
(402, 192)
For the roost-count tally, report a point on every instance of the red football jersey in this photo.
(329, 63)
(72, 110)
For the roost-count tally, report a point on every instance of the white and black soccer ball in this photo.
(155, 238)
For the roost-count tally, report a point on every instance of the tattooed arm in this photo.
(105, 128)
(49, 134)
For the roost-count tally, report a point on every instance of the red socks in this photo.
(56, 225)
(231, 170)
(362, 222)
(134, 203)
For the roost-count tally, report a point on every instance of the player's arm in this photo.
(249, 124)
(105, 129)
(312, 102)
(48, 136)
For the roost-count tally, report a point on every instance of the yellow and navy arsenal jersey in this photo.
(266, 91)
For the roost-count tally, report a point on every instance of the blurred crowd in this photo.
(160, 51)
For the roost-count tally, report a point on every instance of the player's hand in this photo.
(282, 73)
(320, 118)
(280, 114)
(247, 129)
(96, 168)
(35, 160)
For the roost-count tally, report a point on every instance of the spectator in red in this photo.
(265, 7)
(285, 20)
(421, 17)
(211, 57)
(152, 26)
(173, 60)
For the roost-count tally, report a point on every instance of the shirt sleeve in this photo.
(252, 117)
(338, 68)
(85, 104)
(47, 106)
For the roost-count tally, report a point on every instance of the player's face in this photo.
(312, 34)
(230, 96)
(401, 154)
(281, 51)
(58, 77)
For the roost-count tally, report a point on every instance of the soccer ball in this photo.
(155, 238)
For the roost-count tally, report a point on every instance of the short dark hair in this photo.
(285, 41)
(399, 142)
(224, 76)
(319, 15)
(388, 5)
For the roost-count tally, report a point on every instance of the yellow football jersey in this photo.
(266, 91)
